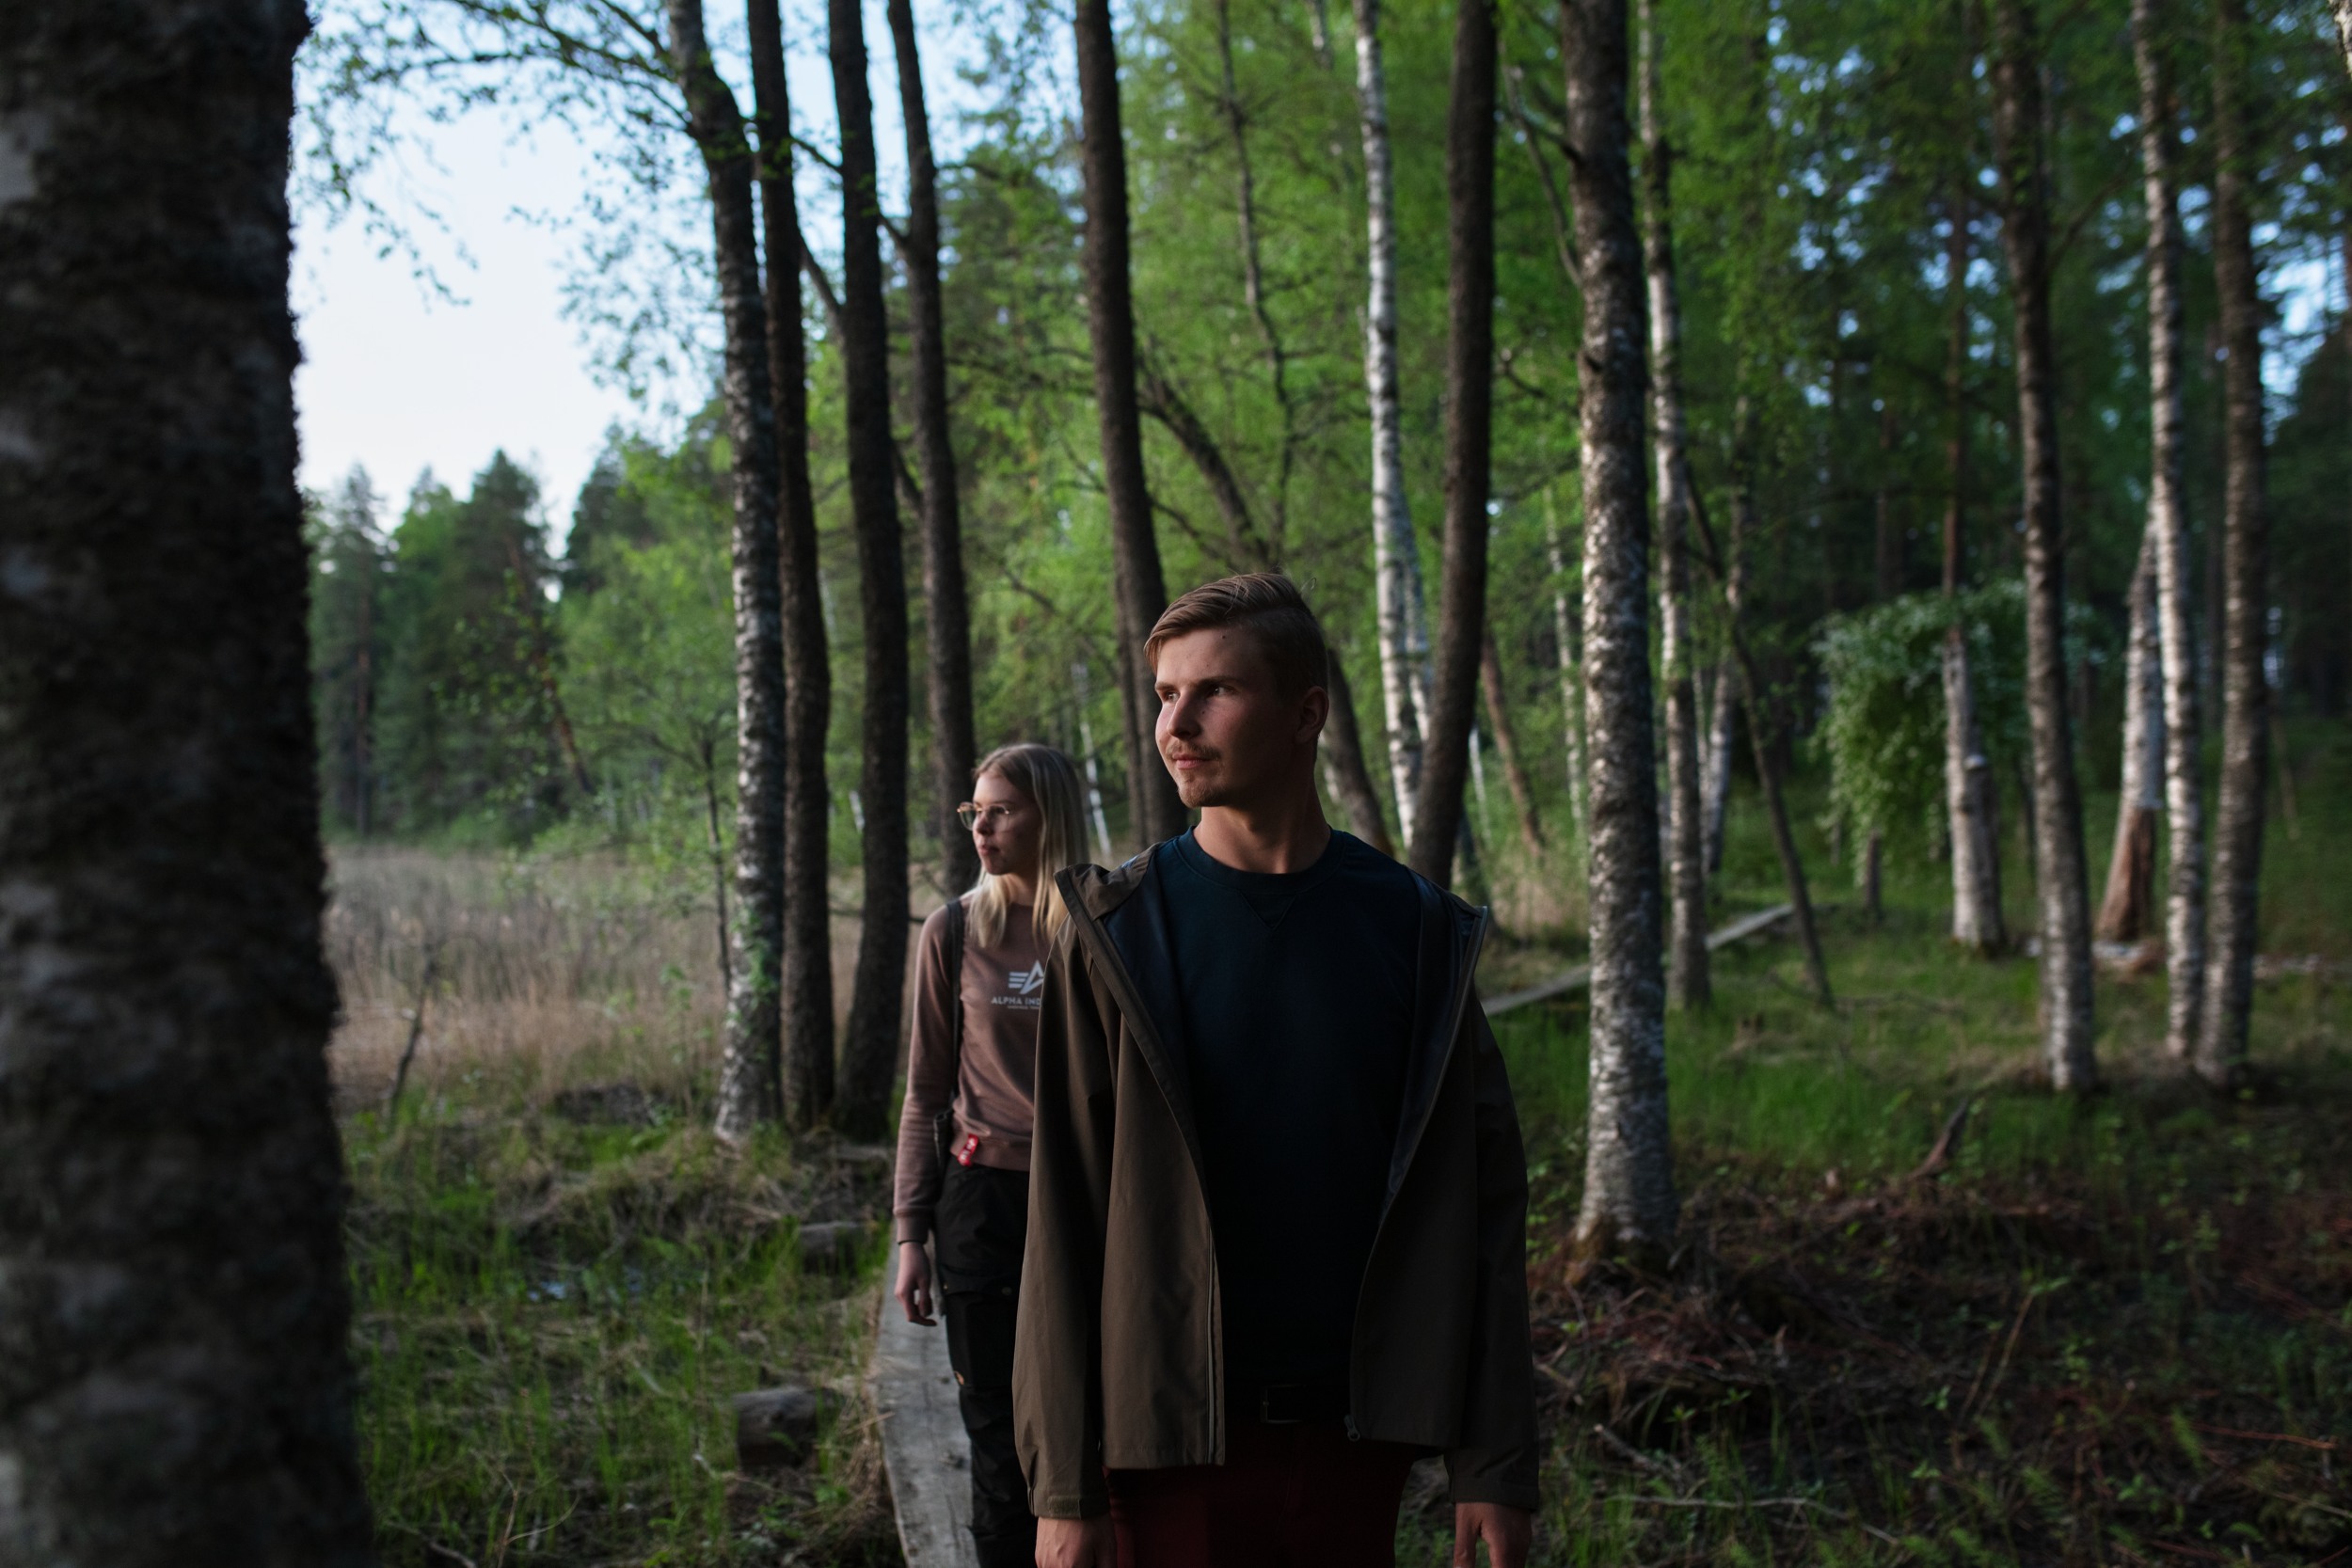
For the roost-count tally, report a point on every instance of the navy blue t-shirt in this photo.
(1292, 1000)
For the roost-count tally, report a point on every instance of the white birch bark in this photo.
(2139, 798)
(1715, 759)
(1968, 799)
(1566, 617)
(1396, 556)
(2167, 524)
(2344, 30)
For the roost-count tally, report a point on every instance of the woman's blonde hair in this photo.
(1047, 776)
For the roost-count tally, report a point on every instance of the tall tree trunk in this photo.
(2124, 908)
(1344, 770)
(1971, 797)
(1139, 589)
(1630, 1204)
(1567, 625)
(869, 1047)
(1715, 775)
(1515, 777)
(2060, 881)
(1470, 177)
(2167, 524)
(1686, 967)
(946, 607)
(747, 1087)
(175, 1384)
(2237, 840)
(1886, 549)
(1254, 289)
(806, 979)
(1395, 552)
(2344, 29)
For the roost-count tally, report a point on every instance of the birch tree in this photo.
(869, 1046)
(1567, 628)
(2168, 525)
(175, 1381)
(947, 605)
(1971, 800)
(1395, 554)
(1687, 966)
(1630, 1204)
(2124, 908)
(747, 1072)
(2060, 889)
(1437, 823)
(2220, 1058)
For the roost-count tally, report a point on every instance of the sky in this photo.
(400, 378)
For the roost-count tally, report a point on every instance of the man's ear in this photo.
(1315, 712)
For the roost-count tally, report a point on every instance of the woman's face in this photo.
(1008, 829)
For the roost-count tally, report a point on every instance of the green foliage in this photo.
(1882, 729)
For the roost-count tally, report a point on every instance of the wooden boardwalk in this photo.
(923, 1448)
(1581, 975)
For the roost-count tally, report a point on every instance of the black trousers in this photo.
(976, 1236)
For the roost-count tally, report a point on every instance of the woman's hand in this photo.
(914, 1289)
(1076, 1544)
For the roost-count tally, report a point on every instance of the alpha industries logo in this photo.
(1026, 988)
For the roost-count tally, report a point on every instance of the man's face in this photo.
(1228, 736)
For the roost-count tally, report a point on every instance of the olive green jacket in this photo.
(1119, 1356)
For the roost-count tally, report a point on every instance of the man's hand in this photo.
(1505, 1532)
(1075, 1543)
(914, 1289)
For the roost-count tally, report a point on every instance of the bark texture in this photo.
(1715, 756)
(1567, 627)
(2060, 881)
(1630, 1204)
(947, 605)
(869, 1046)
(807, 960)
(2126, 907)
(2237, 839)
(2167, 524)
(1470, 179)
(1138, 587)
(1395, 554)
(2344, 30)
(1971, 798)
(747, 1071)
(1686, 848)
(174, 1381)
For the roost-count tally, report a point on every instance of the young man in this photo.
(1278, 1205)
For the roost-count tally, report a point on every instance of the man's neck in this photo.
(1274, 836)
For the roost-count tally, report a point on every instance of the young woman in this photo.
(963, 1135)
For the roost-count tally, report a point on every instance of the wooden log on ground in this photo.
(1581, 975)
(924, 1445)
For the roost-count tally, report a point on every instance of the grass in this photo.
(2117, 1331)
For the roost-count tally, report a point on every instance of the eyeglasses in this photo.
(972, 815)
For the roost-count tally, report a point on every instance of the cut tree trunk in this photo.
(1470, 177)
(1630, 1207)
(806, 977)
(1971, 795)
(175, 1381)
(2124, 910)
(1139, 589)
(1344, 770)
(747, 1068)
(1395, 552)
(1687, 974)
(1515, 777)
(2167, 524)
(946, 607)
(2220, 1058)
(869, 1046)
(2061, 890)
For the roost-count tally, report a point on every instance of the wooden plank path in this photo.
(1581, 975)
(923, 1448)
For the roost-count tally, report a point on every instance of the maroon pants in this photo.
(1302, 1496)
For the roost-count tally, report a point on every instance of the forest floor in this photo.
(2113, 1331)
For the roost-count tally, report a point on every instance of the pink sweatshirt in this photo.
(999, 989)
